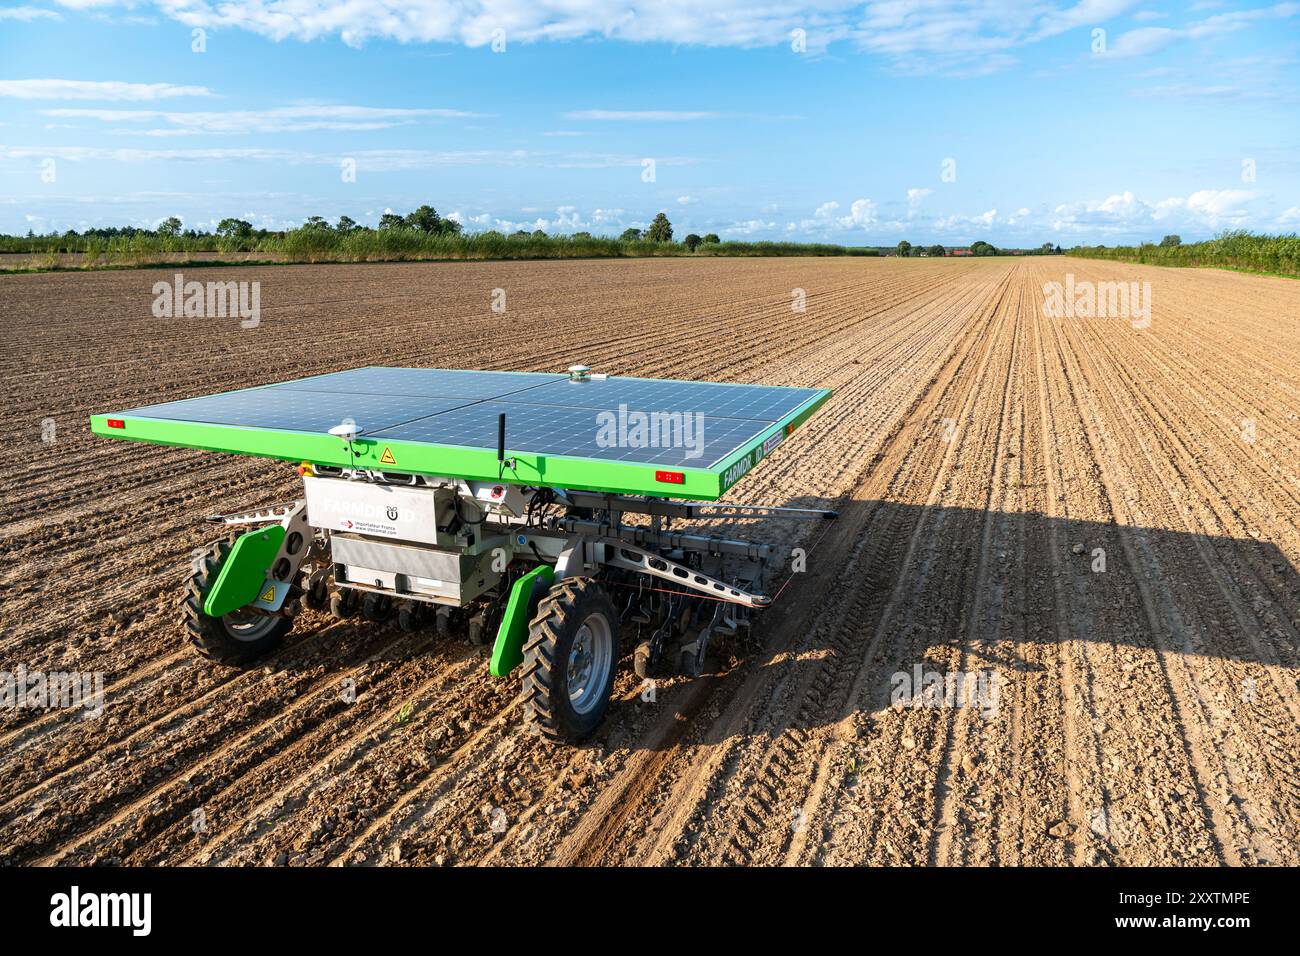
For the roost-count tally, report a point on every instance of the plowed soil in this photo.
(1105, 518)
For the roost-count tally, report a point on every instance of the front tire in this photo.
(234, 639)
(569, 660)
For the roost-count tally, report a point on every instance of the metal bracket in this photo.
(619, 554)
(297, 532)
(572, 561)
(271, 514)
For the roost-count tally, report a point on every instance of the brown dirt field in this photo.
(978, 452)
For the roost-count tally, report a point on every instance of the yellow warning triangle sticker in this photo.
(269, 594)
(387, 457)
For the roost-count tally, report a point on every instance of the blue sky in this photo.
(927, 120)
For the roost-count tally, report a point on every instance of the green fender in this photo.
(243, 572)
(508, 652)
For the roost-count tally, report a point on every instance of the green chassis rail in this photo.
(455, 461)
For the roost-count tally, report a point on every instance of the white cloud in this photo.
(480, 221)
(748, 228)
(370, 160)
(914, 198)
(650, 116)
(1193, 90)
(961, 37)
(1124, 213)
(970, 37)
(862, 213)
(1258, 77)
(287, 119)
(1211, 205)
(704, 23)
(95, 90)
(966, 226)
(1141, 41)
(28, 14)
(1146, 40)
(566, 220)
(1085, 13)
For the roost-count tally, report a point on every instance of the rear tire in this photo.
(569, 660)
(234, 639)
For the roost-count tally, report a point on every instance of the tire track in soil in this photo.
(1161, 617)
(1192, 625)
(130, 795)
(623, 806)
(906, 632)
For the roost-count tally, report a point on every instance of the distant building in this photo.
(959, 252)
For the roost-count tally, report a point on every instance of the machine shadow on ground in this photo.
(862, 613)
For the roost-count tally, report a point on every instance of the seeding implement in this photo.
(537, 509)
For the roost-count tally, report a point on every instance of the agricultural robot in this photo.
(538, 511)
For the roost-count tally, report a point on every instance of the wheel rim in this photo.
(246, 625)
(591, 655)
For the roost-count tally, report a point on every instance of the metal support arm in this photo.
(620, 554)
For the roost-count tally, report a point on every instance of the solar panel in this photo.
(294, 410)
(762, 403)
(426, 382)
(599, 433)
(653, 438)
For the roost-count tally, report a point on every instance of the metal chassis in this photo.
(589, 537)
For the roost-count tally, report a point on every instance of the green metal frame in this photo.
(525, 594)
(243, 571)
(456, 461)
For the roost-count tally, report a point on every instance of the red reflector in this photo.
(116, 423)
(789, 429)
(671, 477)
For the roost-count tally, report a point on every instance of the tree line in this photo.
(1232, 249)
(977, 248)
(424, 220)
(419, 236)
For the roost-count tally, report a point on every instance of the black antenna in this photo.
(501, 443)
